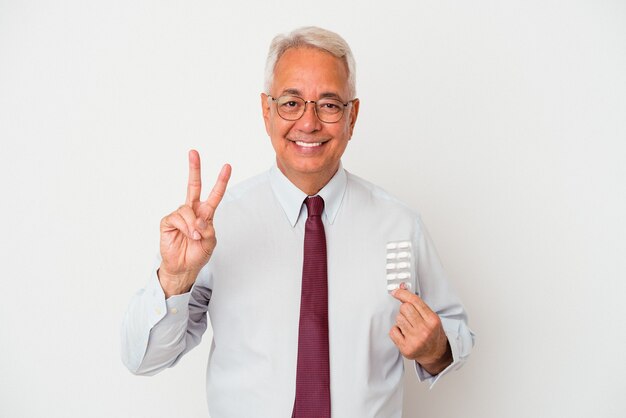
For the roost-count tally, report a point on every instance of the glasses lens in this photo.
(329, 110)
(293, 107)
(290, 107)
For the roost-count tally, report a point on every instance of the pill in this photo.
(392, 286)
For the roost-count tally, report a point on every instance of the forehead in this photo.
(310, 71)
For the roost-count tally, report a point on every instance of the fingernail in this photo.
(202, 224)
(196, 235)
(402, 285)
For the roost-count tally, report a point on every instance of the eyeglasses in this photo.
(293, 107)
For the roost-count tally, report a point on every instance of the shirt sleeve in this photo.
(157, 332)
(434, 288)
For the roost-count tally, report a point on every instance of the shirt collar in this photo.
(291, 198)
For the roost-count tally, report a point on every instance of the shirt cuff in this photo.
(451, 327)
(171, 310)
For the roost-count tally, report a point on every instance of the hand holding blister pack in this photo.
(398, 265)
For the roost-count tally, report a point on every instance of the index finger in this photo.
(194, 184)
(404, 295)
(217, 193)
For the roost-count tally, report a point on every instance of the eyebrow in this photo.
(293, 92)
(325, 95)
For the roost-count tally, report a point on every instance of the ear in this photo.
(354, 113)
(265, 106)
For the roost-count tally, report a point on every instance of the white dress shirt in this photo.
(251, 291)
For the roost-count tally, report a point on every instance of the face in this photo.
(308, 151)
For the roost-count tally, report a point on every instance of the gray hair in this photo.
(313, 37)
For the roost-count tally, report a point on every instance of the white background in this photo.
(503, 122)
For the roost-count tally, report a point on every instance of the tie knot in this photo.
(314, 205)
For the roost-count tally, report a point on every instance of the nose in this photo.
(309, 121)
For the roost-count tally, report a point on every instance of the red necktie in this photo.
(313, 373)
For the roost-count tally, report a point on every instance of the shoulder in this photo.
(371, 207)
(247, 189)
(364, 192)
(245, 200)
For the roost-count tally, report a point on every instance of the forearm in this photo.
(154, 330)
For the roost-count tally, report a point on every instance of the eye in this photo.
(330, 106)
(290, 104)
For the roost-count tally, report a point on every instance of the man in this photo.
(297, 290)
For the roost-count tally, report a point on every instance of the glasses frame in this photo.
(306, 102)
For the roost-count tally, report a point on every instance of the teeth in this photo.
(308, 144)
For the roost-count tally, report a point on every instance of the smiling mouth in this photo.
(305, 144)
(308, 144)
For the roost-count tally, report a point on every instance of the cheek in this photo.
(277, 132)
(344, 133)
(279, 125)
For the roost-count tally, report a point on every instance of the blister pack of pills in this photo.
(398, 265)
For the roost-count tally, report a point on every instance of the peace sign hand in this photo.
(187, 234)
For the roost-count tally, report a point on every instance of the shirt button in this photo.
(174, 310)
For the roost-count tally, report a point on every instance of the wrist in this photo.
(175, 284)
(437, 363)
